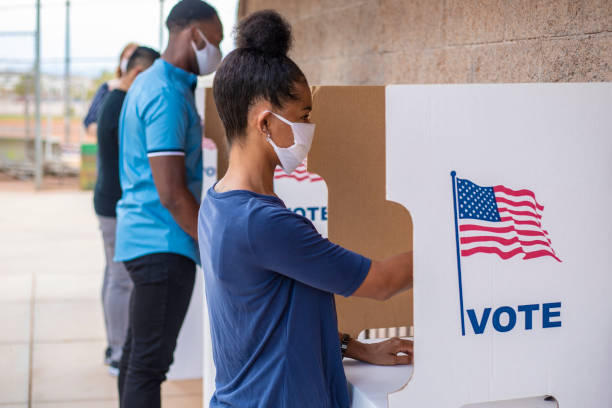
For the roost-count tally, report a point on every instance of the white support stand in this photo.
(188, 356)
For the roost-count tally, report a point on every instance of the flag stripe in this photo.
(310, 177)
(503, 247)
(508, 254)
(520, 198)
(492, 250)
(500, 229)
(299, 178)
(208, 144)
(504, 241)
(506, 235)
(300, 174)
(527, 213)
(518, 193)
(521, 222)
(499, 224)
(516, 203)
(536, 254)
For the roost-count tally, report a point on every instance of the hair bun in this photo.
(265, 31)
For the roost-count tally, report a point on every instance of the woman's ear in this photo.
(262, 122)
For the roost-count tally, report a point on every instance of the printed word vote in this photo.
(505, 318)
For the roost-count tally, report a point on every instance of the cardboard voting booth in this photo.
(345, 176)
(509, 190)
(501, 192)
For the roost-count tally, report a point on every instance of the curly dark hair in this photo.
(258, 69)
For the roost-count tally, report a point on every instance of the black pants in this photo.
(163, 284)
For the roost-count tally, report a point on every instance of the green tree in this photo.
(24, 86)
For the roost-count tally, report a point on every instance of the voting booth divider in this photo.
(351, 162)
(502, 192)
(510, 193)
(343, 192)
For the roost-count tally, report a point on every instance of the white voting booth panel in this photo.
(487, 328)
(189, 353)
(208, 371)
(304, 193)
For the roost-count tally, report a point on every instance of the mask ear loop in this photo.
(280, 118)
(203, 37)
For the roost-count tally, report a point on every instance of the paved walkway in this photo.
(51, 326)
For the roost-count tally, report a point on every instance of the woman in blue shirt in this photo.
(270, 276)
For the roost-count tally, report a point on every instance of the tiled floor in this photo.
(51, 325)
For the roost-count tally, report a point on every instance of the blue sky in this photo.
(99, 29)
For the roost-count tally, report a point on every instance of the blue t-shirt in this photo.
(158, 118)
(270, 279)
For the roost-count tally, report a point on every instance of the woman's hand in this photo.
(381, 353)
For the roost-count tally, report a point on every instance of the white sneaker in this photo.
(113, 368)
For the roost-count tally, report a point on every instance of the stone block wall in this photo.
(378, 42)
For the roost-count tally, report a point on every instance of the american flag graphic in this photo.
(208, 144)
(502, 221)
(300, 174)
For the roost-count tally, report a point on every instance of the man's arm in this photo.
(170, 180)
(387, 278)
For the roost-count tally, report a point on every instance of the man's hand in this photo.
(382, 353)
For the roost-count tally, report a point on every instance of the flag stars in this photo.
(476, 202)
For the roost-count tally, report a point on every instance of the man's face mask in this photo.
(291, 157)
(208, 57)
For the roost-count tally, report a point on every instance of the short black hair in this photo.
(258, 68)
(142, 57)
(187, 11)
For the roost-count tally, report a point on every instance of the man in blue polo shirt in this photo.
(160, 158)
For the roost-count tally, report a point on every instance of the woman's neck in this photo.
(249, 169)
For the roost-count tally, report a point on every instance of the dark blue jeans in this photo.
(163, 284)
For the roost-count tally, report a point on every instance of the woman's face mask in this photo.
(291, 157)
(123, 66)
(208, 57)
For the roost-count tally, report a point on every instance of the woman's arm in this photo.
(381, 353)
(387, 278)
(92, 114)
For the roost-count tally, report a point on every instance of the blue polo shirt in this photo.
(158, 118)
(270, 279)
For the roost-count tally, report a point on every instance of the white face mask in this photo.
(123, 65)
(291, 157)
(208, 57)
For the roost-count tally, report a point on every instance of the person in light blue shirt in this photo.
(158, 121)
(160, 159)
(270, 276)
